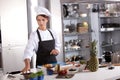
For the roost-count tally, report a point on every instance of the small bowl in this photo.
(49, 71)
(72, 71)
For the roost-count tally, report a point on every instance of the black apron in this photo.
(44, 49)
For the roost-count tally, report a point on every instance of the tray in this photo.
(66, 76)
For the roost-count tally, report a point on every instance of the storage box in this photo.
(82, 29)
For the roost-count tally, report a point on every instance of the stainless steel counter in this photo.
(101, 74)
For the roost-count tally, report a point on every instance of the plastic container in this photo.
(49, 71)
(41, 77)
(36, 78)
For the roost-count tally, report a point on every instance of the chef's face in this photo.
(42, 20)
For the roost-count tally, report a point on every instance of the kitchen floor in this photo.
(1, 73)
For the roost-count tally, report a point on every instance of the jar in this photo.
(78, 26)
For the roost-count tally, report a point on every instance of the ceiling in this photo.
(91, 1)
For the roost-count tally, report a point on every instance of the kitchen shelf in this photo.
(109, 16)
(74, 50)
(109, 29)
(71, 18)
(108, 45)
(75, 34)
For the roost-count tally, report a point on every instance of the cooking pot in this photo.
(71, 27)
(107, 56)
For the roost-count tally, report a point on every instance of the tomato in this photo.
(62, 72)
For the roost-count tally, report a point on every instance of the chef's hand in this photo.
(27, 66)
(54, 52)
(26, 70)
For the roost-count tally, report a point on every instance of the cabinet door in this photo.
(13, 58)
(13, 22)
(14, 33)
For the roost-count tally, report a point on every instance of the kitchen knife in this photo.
(14, 72)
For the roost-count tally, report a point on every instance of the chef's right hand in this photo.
(27, 66)
(26, 70)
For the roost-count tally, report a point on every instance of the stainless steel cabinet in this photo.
(12, 58)
(107, 21)
(110, 30)
(14, 33)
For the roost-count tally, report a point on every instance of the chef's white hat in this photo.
(41, 10)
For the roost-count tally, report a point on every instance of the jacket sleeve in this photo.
(31, 47)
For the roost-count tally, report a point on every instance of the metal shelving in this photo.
(109, 29)
(110, 44)
(75, 43)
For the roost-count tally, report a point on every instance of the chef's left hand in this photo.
(54, 52)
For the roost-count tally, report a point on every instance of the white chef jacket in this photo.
(32, 45)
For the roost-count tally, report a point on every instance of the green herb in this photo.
(33, 75)
(39, 73)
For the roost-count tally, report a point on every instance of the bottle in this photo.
(57, 68)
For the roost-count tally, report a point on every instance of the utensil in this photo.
(15, 72)
(65, 11)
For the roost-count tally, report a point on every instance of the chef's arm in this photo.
(29, 51)
(27, 66)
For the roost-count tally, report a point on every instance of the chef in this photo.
(44, 42)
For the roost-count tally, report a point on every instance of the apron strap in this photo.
(51, 33)
(38, 35)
